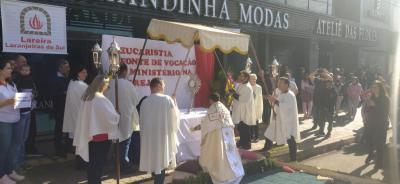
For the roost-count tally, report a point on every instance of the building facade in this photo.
(309, 33)
(300, 33)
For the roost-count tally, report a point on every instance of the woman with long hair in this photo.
(97, 125)
(9, 132)
(377, 123)
(307, 90)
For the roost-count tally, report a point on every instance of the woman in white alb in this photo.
(97, 125)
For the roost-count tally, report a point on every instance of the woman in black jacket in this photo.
(377, 123)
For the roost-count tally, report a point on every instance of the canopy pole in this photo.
(183, 66)
(140, 59)
(259, 67)
(117, 152)
(220, 65)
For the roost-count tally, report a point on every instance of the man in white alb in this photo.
(158, 123)
(258, 105)
(284, 124)
(129, 121)
(243, 113)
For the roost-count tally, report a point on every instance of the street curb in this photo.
(328, 173)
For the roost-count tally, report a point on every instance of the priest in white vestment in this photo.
(158, 127)
(76, 87)
(97, 125)
(284, 124)
(258, 106)
(127, 102)
(243, 112)
(219, 156)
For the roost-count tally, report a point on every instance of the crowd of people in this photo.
(324, 95)
(89, 118)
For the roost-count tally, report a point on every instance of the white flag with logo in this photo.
(33, 28)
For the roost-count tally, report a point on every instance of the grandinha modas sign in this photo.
(249, 14)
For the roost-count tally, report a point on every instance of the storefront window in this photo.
(319, 6)
(329, 7)
(303, 4)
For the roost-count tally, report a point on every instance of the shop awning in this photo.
(209, 38)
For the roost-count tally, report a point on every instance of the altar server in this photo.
(219, 155)
(76, 88)
(129, 122)
(97, 125)
(258, 105)
(284, 126)
(243, 112)
(158, 124)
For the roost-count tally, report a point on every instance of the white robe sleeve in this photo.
(287, 110)
(244, 95)
(259, 103)
(106, 112)
(174, 111)
(72, 105)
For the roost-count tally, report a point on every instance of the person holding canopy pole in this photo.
(97, 125)
(113, 67)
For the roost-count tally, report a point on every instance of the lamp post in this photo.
(114, 60)
(96, 56)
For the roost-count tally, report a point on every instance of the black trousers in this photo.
(134, 149)
(267, 112)
(244, 134)
(376, 143)
(31, 140)
(97, 160)
(292, 147)
(326, 116)
(317, 116)
(159, 178)
(59, 137)
(254, 131)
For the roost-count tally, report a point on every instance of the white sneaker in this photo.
(6, 180)
(16, 177)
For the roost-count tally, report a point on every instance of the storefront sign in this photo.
(160, 59)
(263, 16)
(33, 28)
(347, 31)
(249, 14)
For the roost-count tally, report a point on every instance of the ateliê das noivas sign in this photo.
(339, 29)
(249, 14)
(33, 28)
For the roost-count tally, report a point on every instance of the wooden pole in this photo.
(220, 65)
(259, 67)
(183, 66)
(117, 152)
(140, 59)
